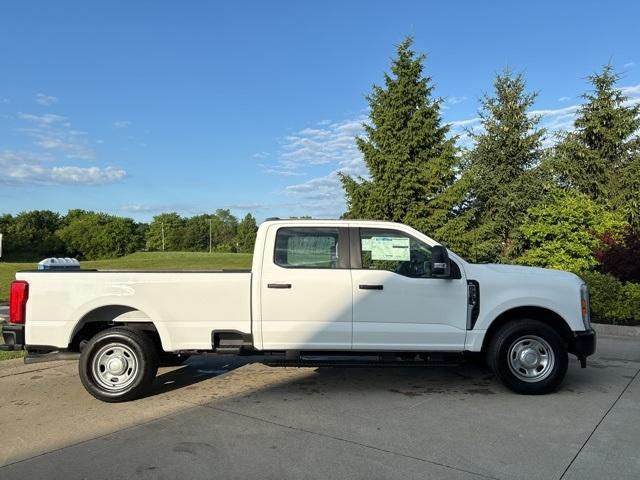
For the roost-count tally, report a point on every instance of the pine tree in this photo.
(601, 157)
(500, 181)
(409, 157)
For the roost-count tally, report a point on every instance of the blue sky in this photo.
(139, 107)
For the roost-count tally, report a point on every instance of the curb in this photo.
(616, 330)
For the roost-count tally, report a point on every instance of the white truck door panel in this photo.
(306, 299)
(396, 303)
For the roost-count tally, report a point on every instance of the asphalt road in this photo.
(225, 418)
(4, 312)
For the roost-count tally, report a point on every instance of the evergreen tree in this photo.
(500, 181)
(246, 237)
(601, 157)
(409, 157)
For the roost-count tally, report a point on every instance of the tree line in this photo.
(518, 194)
(88, 235)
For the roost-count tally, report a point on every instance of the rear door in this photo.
(306, 294)
(397, 304)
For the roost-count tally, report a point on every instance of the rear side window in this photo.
(306, 247)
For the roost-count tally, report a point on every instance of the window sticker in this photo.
(366, 244)
(390, 248)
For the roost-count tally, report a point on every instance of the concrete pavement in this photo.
(232, 418)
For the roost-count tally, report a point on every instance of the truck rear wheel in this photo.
(118, 364)
(528, 357)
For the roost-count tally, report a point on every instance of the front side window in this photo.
(395, 252)
(307, 247)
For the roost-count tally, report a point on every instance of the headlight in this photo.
(584, 306)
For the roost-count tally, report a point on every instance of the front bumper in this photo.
(13, 336)
(583, 344)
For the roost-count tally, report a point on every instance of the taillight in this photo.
(18, 301)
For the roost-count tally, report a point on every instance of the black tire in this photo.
(137, 357)
(172, 359)
(506, 364)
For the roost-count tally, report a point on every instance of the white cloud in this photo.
(70, 149)
(121, 124)
(464, 123)
(246, 206)
(629, 64)
(631, 91)
(456, 100)
(32, 168)
(88, 175)
(283, 172)
(261, 155)
(44, 119)
(330, 143)
(54, 132)
(564, 99)
(142, 208)
(46, 100)
(333, 145)
(554, 112)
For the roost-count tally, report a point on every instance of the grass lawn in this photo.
(141, 261)
(10, 355)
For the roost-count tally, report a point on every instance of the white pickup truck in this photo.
(318, 291)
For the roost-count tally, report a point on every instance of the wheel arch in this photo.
(542, 314)
(107, 316)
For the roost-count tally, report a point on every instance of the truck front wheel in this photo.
(118, 364)
(528, 356)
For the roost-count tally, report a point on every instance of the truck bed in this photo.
(184, 305)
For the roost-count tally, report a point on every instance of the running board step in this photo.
(231, 342)
(357, 362)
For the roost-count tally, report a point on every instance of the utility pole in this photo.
(162, 229)
(210, 235)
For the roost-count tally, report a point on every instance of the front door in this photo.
(306, 289)
(397, 305)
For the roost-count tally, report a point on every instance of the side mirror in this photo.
(440, 263)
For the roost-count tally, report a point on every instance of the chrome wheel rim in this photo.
(531, 358)
(115, 366)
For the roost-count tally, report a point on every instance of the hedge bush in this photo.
(613, 301)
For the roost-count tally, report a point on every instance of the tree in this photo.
(91, 235)
(223, 228)
(33, 234)
(618, 256)
(410, 160)
(565, 230)
(601, 157)
(196, 233)
(172, 226)
(500, 180)
(246, 237)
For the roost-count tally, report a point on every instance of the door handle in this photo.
(371, 287)
(279, 285)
